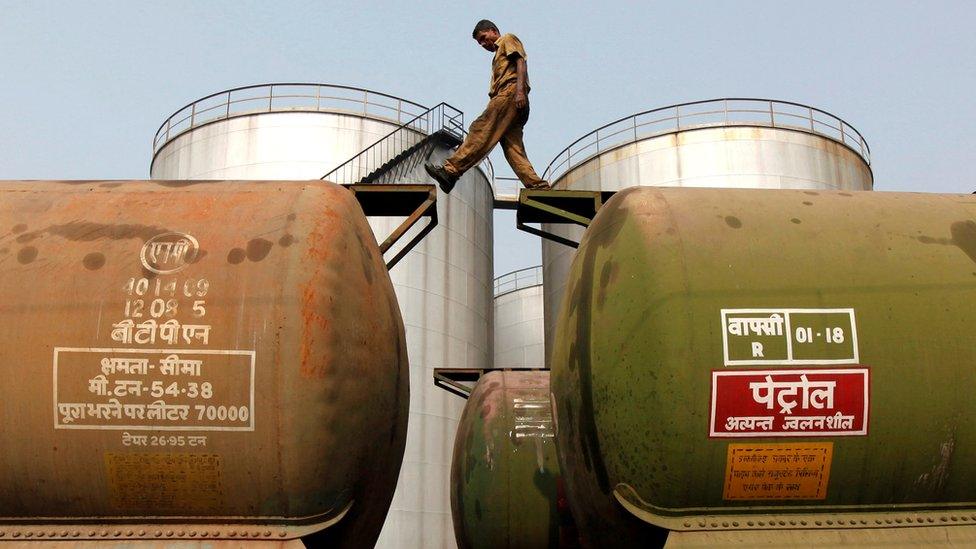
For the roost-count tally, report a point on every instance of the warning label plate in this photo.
(798, 470)
(809, 402)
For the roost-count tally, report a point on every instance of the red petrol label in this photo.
(795, 402)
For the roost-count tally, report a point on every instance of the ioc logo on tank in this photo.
(169, 253)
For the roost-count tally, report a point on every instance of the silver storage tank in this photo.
(519, 322)
(734, 142)
(444, 286)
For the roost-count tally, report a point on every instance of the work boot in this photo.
(445, 180)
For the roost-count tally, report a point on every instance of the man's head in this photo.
(485, 33)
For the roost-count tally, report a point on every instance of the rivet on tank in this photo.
(736, 366)
(194, 360)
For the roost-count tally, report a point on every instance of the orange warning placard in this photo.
(799, 470)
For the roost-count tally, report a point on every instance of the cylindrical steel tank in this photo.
(740, 143)
(443, 286)
(193, 359)
(505, 481)
(519, 329)
(734, 360)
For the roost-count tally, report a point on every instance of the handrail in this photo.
(440, 118)
(756, 112)
(274, 97)
(517, 280)
(237, 102)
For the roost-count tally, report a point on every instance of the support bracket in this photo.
(577, 207)
(412, 201)
(454, 380)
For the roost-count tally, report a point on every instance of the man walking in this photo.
(504, 117)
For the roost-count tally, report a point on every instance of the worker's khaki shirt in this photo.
(504, 71)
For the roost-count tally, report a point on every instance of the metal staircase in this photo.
(398, 153)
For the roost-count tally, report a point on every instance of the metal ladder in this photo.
(396, 154)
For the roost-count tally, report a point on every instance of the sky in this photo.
(86, 83)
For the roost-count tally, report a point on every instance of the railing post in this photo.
(168, 122)
(365, 101)
(318, 98)
(726, 102)
(677, 117)
(399, 110)
(634, 118)
(597, 141)
(193, 113)
(270, 97)
(772, 119)
(841, 126)
(810, 110)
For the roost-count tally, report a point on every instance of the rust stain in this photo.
(811, 193)
(94, 261)
(733, 222)
(935, 480)
(963, 237)
(806, 203)
(795, 221)
(608, 275)
(86, 231)
(311, 367)
(286, 240)
(258, 249)
(27, 237)
(19, 228)
(26, 255)
(236, 256)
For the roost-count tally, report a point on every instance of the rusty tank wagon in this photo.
(219, 361)
(770, 367)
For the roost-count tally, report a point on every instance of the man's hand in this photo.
(521, 101)
(521, 75)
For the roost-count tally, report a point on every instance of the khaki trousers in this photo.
(501, 121)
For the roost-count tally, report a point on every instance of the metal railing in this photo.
(507, 186)
(389, 153)
(732, 111)
(516, 280)
(283, 97)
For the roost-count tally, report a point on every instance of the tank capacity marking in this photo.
(813, 402)
(789, 336)
(159, 389)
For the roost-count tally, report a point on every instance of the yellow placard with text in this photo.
(791, 470)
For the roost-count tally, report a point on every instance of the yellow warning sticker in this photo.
(798, 470)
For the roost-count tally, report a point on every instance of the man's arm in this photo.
(522, 73)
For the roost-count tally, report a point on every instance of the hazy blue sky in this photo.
(86, 84)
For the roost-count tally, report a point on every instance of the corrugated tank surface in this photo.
(519, 323)
(444, 286)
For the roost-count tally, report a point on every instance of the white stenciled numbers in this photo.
(223, 413)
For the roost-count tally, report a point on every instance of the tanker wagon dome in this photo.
(206, 360)
(770, 367)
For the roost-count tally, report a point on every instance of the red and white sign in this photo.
(812, 402)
